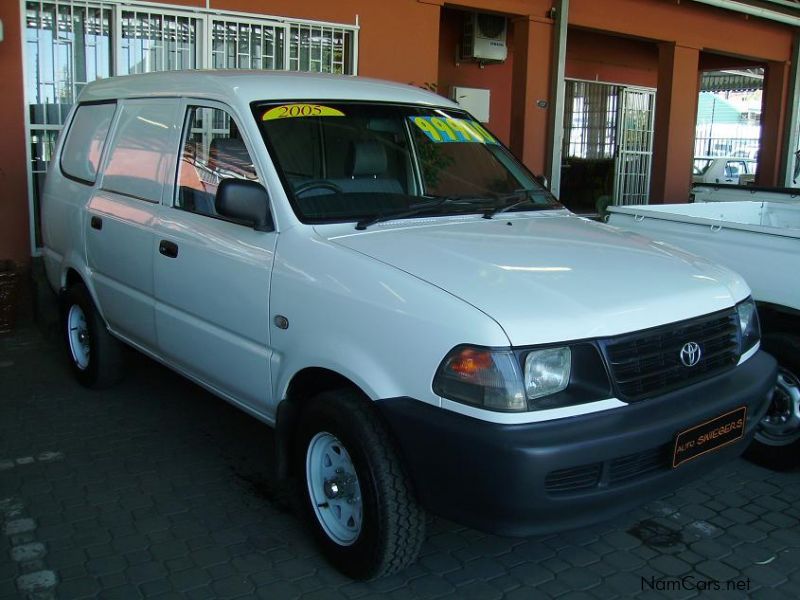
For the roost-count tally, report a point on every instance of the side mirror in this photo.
(245, 201)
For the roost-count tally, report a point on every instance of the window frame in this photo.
(187, 106)
(123, 103)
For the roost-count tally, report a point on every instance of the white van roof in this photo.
(252, 85)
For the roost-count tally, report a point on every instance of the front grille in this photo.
(648, 363)
(610, 473)
(636, 465)
(573, 479)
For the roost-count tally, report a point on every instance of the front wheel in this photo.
(95, 356)
(777, 440)
(354, 490)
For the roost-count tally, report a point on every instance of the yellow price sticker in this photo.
(293, 111)
(447, 130)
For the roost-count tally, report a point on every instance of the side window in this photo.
(212, 151)
(83, 147)
(143, 149)
(732, 169)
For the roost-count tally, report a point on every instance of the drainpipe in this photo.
(553, 167)
(790, 161)
(755, 11)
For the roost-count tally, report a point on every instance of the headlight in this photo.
(523, 379)
(481, 377)
(547, 371)
(749, 328)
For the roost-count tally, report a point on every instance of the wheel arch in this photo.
(73, 274)
(776, 318)
(303, 386)
(71, 277)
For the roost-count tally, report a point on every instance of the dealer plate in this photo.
(708, 436)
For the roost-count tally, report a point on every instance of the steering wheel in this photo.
(317, 184)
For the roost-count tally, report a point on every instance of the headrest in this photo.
(367, 159)
(229, 152)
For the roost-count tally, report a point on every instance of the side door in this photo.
(733, 169)
(122, 210)
(212, 274)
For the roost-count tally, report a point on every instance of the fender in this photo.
(75, 262)
(370, 376)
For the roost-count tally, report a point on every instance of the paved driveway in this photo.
(158, 489)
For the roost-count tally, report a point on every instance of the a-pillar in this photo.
(776, 85)
(676, 114)
(530, 91)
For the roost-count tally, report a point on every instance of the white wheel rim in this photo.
(334, 488)
(781, 425)
(78, 336)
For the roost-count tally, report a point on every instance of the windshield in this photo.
(701, 165)
(370, 162)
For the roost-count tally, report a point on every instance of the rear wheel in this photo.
(353, 488)
(777, 440)
(95, 356)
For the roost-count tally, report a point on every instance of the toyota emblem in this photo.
(690, 354)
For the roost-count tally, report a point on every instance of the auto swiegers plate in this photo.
(711, 435)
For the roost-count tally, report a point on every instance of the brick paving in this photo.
(155, 488)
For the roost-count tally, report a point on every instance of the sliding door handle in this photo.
(168, 249)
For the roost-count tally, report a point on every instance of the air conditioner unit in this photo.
(484, 38)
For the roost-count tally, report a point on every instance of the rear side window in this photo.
(143, 149)
(83, 147)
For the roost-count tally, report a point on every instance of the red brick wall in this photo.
(14, 231)
(494, 77)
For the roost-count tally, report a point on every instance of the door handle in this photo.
(96, 223)
(168, 249)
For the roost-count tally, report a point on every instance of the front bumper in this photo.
(542, 477)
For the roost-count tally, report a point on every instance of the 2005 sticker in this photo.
(442, 130)
(289, 111)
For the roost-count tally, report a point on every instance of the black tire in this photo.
(392, 525)
(101, 366)
(779, 452)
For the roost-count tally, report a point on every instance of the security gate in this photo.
(156, 40)
(635, 146)
(69, 43)
(607, 145)
(247, 44)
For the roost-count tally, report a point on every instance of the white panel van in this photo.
(364, 267)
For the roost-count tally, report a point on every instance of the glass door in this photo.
(589, 145)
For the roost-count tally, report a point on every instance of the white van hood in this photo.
(551, 276)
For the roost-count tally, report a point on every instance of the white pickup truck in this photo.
(760, 239)
(711, 192)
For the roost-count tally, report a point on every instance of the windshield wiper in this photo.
(421, 207)
(515, 199)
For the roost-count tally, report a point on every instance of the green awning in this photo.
(748, 80)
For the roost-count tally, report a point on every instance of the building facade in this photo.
(601, 97)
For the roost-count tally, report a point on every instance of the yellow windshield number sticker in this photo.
(443, 130)
(292, 111)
